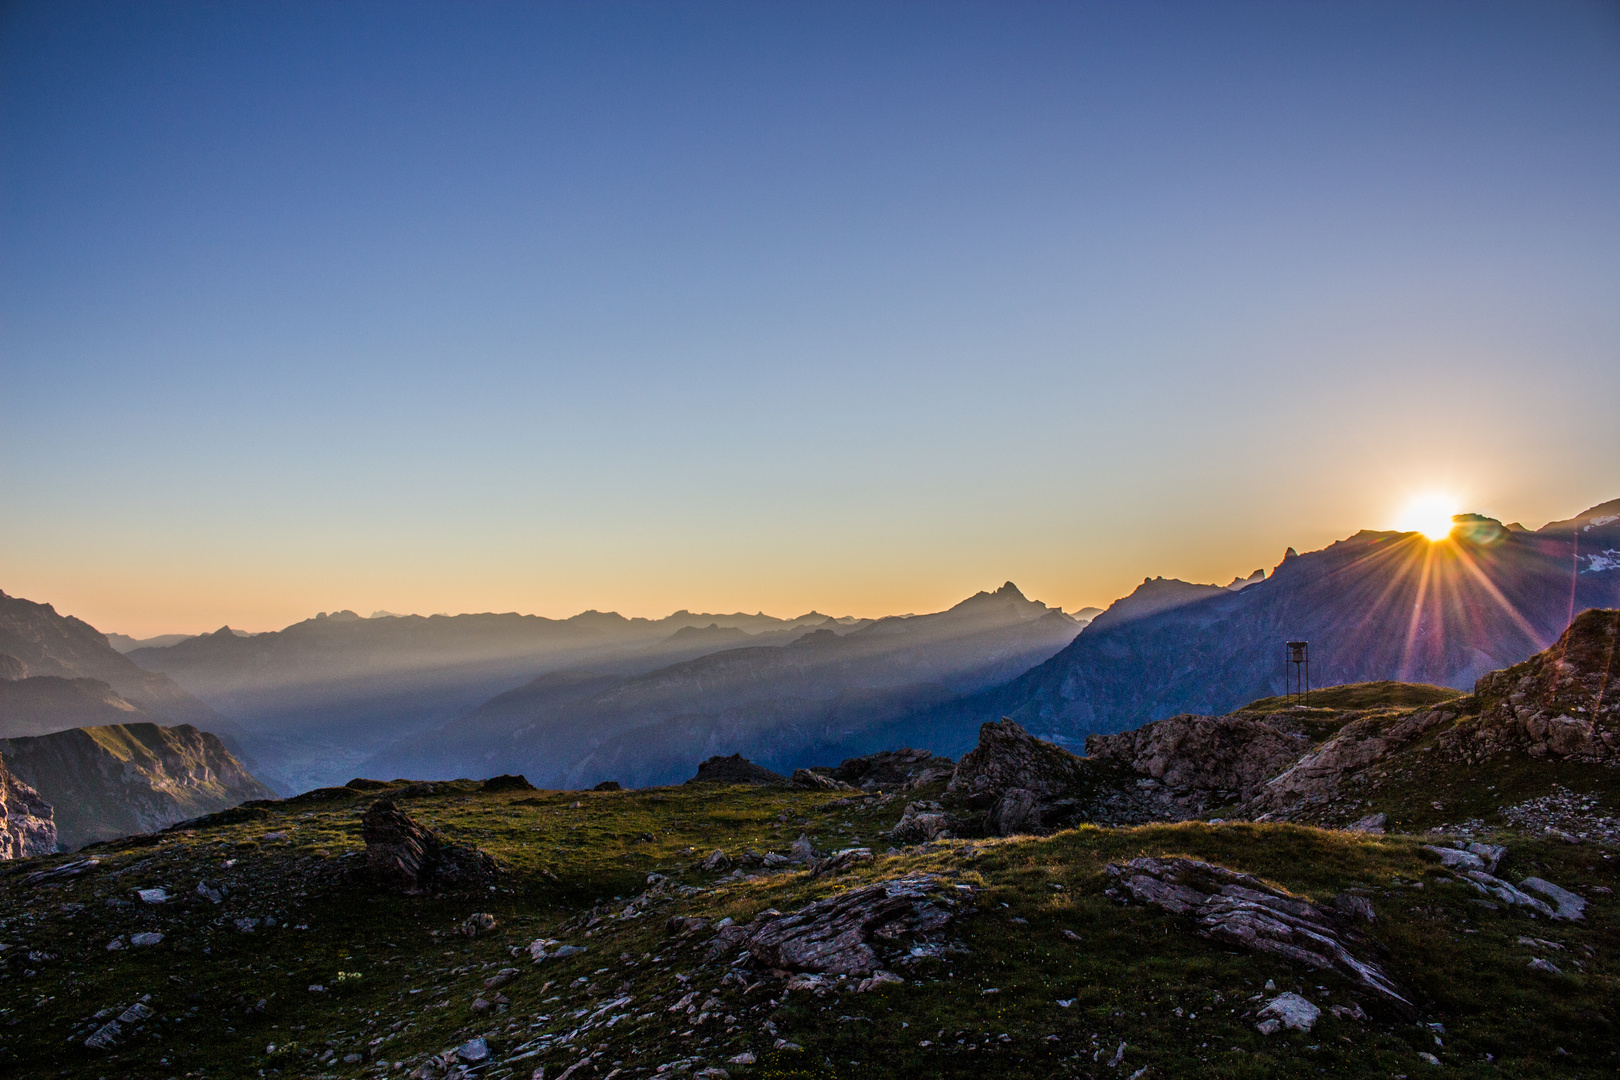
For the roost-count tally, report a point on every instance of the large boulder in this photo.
(735, 769)
(403, 854)
(1021, 784)
(27, 824)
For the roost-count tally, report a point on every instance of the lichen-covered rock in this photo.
(1319, 775)
(403, 854)
(808, 780)
(27, 824)
(841, 935)
(1242, 910)
(1560, 702)
(921, 822)
(1227, 753)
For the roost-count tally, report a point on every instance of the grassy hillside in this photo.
(1034, 929)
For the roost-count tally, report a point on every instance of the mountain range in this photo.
(1375, 606)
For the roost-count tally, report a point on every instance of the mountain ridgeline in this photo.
(1376, 606)
(828, 693)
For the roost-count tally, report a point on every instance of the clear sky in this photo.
(860, 307)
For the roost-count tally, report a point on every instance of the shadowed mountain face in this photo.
(806, 702)
(105, 782)
(321, 696)
(45, 703)
(1379, 605)
(49, 644)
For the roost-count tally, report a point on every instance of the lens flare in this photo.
(1430, 515)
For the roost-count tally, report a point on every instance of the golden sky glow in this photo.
(1430, 515)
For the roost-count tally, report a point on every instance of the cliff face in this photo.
(121, 779)
(26, 826)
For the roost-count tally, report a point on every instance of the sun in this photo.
(1430, 515)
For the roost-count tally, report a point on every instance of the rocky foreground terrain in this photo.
(1431, 889)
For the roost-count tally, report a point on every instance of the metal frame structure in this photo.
(1297, 671)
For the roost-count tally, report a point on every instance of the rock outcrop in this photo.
(893, 770)
(27, 826)
(122, 779)
(1561, 703)
(1240, 909)
(847, 934)
(1318, 777)
(406, 855)
(1231, 756)
(1023, 784)
(735, 769)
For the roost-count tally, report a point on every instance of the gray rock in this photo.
(806, 780)
(1506, 893)
(715, 861)
(149, 938)
(921, 822)
(1569, 906)
(1243, 910)
(153, 896)
(1372, 823)
(836, 936)
(1290, 1010)
(473, 1050)
(1547, 966)
(802, 851)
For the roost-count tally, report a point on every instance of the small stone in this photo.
(802, 851)
(150, 938)
(153, 896)
(1547, 966)
(350, 1059)
(477, 923)
(274, 836)
(115, 943)
(744, 1058)
(712, 1073)
(473, 1050)
(783, 1044)
(480, 1005)
(1292, 1011)
(1430, 1058)
(246, 925)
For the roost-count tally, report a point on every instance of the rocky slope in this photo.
(122, 779)
(27, 827)
(1377, 606)
(722, 931)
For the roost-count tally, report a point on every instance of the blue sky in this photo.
(856, 307)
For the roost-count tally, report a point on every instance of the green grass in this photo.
(1128, 973)
(1365, 695)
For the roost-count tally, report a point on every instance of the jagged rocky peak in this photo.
(1154, 595)
(27, 824)
(1240, 583)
